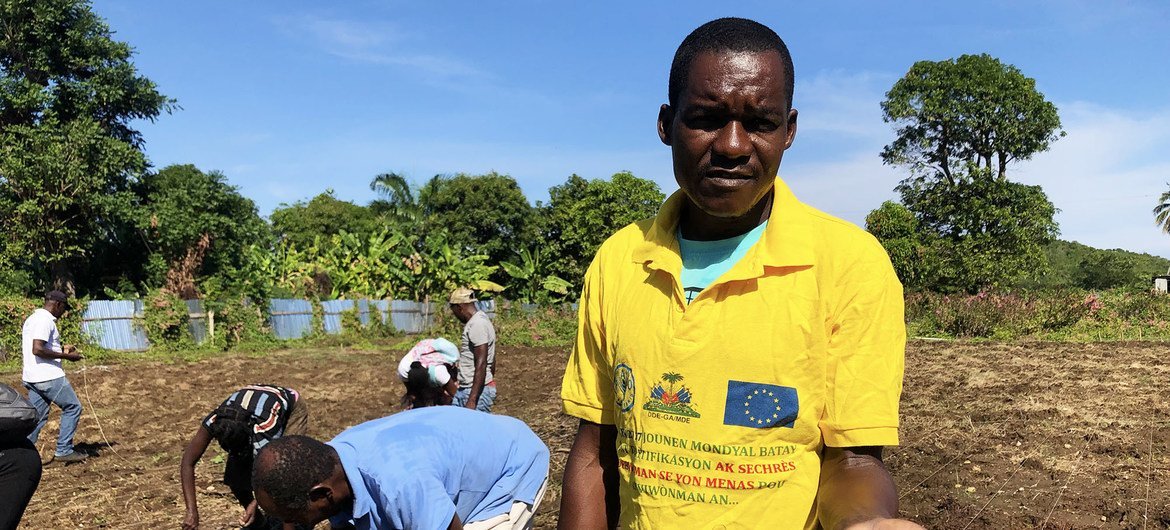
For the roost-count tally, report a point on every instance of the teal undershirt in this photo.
(703, 262)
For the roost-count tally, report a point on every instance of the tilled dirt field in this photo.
(994, 436)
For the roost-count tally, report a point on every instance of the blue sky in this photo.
(291, 98)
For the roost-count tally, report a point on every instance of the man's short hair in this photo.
(727, 35)
(288, 468)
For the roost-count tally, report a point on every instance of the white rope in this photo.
(93, 411)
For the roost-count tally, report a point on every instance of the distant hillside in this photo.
(1072, 264)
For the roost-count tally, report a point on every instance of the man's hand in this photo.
(70, 353)
(885, 524)
(249, 514)
(191, 521)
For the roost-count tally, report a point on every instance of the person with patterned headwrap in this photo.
(244, 423)
(429, 372)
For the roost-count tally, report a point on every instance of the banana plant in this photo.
(533, 283)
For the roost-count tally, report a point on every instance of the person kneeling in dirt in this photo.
(410, 470)
(429, 372)
(245, 422)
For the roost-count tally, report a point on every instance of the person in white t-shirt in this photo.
(43, 376)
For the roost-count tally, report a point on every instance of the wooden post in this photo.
(211, 324)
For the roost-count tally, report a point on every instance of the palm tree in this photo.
(1162, 212)
(398, 199)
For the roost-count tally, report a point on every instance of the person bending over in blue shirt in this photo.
(412, 470)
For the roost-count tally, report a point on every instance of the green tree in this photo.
(302, 222)
(531, 281)
(171, 227)
(482, 214)
(898, 231)
(581, 214)
(960, 124)
(973, 111)
(397, 200)
(68, 96)
(1162, 212)
(1103, 269)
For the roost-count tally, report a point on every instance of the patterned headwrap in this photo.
(433, 354)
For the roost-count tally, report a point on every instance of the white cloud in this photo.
(1106, 176)
(376, 42)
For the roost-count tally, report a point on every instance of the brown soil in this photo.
(994, 436)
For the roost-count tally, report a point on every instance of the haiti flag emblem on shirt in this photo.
(760, 405)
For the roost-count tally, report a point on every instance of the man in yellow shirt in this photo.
(739, 357)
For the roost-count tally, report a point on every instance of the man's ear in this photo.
(665, 123)
(321, 493)
(792, 114)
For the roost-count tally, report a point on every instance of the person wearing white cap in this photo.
(477, 353)
(428, 371)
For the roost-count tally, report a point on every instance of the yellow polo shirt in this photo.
(723, 406)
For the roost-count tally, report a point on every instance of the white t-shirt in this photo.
(41, 325)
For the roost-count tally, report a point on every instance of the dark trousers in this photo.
(20, 473)
(237, 474)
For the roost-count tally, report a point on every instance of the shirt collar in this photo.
(362, 502)
(786, 242)
(47, 312)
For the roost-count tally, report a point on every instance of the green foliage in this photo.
(238, 322)
(581, 214)
(1162, 212)
(170, 225)
(68, 95)
(531, 281)
(547, 326)
(481, 214)
(13, 311)
(397, 202)
(1072, 264)
(439, 269)
(971, 235)
(1001, 315)
(325, 215)
(973, 111)
(897, 229)
(961, 122)
(165, 318)
(370, 267)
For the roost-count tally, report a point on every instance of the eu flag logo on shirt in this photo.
(760, 405)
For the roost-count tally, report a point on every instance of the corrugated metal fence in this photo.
(117, 324)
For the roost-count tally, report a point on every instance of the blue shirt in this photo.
(418, 468)
(703, 262)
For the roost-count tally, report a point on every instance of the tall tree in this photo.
(581, 214)
(1162, 212)
(68, 95)
(960, 124)
(300, 223)
(974, 111)
(171, 228)
(482, 214)
(396, 199)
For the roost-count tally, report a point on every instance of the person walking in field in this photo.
(429, 373)
(739, 356)
(249, 419)
(477, 353)
(413, 470)
(44, 377)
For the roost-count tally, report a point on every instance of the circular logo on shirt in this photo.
(623, 386)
